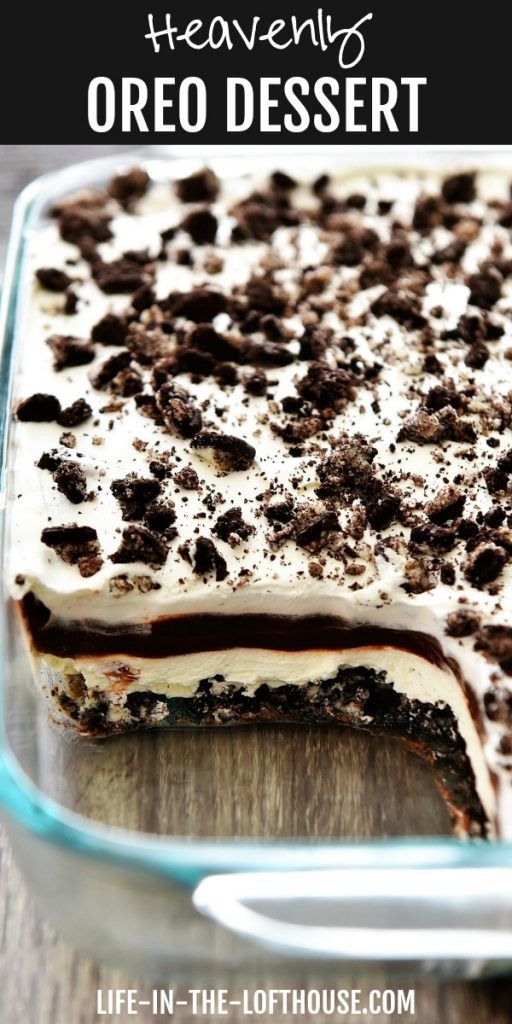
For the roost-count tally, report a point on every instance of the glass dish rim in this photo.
(184, 859)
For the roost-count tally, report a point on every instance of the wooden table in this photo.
(42, 981)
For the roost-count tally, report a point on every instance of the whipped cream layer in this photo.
(357, 571)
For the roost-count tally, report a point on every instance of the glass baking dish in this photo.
(137, 847)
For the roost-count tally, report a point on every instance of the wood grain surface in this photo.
(283, 782)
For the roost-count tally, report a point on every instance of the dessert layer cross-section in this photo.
(263, 460)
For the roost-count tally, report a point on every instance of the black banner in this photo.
(372, 71)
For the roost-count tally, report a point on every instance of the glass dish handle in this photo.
(364, 914)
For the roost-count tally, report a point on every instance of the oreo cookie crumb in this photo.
(69, 351)
(459, 188)
(179, 412)
(202, 186)
(207, 560)
(38, 408)
(75, 414)
(76, 545)
(140, 545)
(201, 225)
(110, 330)
(134, 493)
(231, 527)
(53, 280)
(230, 454)
(71, 481)
(187, 478)
(485, 564)
(127, 188)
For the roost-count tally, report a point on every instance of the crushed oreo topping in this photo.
(69, 351)
(76, 545)
(187, 478)
(485, 287)
(130, 186)
(326, 388)
(462, 623)
(134, 493)
(109, 370)
(75, 414)
(446, 505)
(38, 408)
(201, 225)
(110, 330)
(200, 305)
(459, 188)
(178, 410)
(311, 528)
(126, 274)
(159, 517)
(425, 427)
(202, 186)
(230, 454)
(231, 527)
(71, 481)
(207, 559)
(140, 545)
(496, 640)
(485, 564)
(53, 279)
